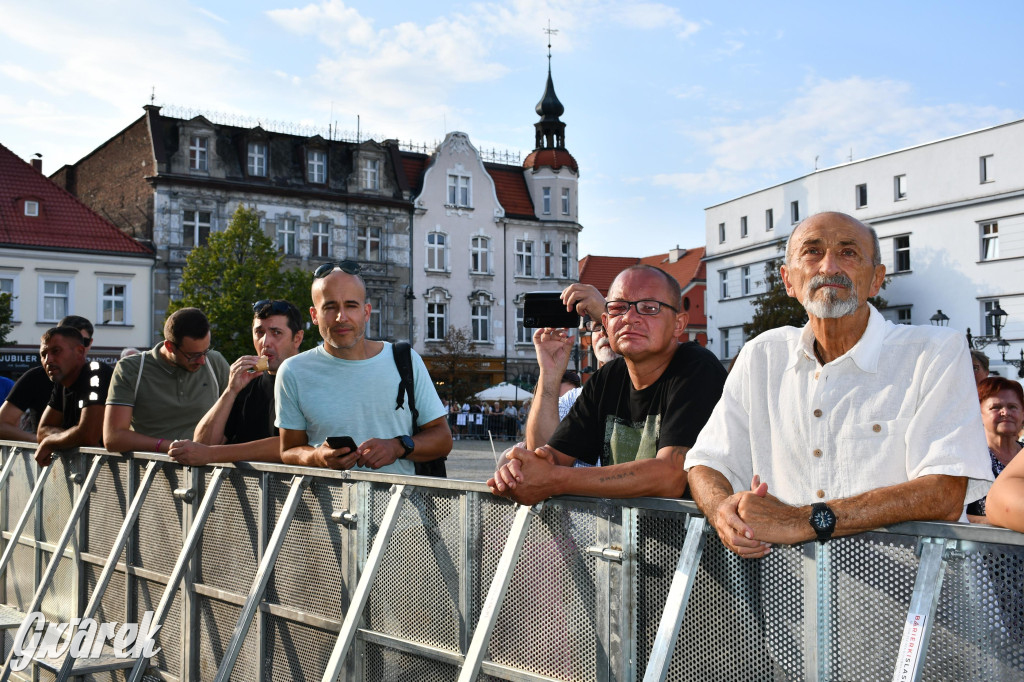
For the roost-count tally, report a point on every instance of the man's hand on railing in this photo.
(735, 530)
(524, 476)
(190, 453)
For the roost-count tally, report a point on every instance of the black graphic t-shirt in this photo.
(252, 416)
(88, 390)
(611, 422)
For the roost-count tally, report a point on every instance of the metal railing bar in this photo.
(302, 617)
(189, 546)
(262, 579)
(410, 647)
(130, 518)
(917, 629)
(496, 594)
(58, 554)
(19, 527)
(6, 471)
(362, 591)
(675, 605)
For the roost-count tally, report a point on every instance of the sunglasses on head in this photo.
(349, 267)
(270, 306)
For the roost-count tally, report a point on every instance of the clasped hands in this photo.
(526, 476)
(751, 521)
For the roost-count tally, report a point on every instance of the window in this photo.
(721, 233)
(566, 260)
(902, 248)
(374, 326)
(316, 166)
(745, 280)
(8, 286)
(794, 212)
(113, 303)
(368, 243)
(56, 300)
(480, 321)
(195, 228)
(286, 236)
(479, 262)
(723, 278)
(546, 200)
(371, 174)
(861, 196)
(524, 258)
(257, 165)
(523, 335)
(985, 168)
(565, 201)
(989, 241)
(436, 321)
(459, 193)
(547, 269)
(436, 247)
(986, 308)
(727, 350)
(769, 220)
(197, 153)
(32, 209)
(899, 187)
(320, 239)
(743, 226)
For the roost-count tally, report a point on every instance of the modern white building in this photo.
(950, 219)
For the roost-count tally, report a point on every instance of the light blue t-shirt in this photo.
(326, 396)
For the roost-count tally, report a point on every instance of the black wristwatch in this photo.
(408, 444)
(823, 521)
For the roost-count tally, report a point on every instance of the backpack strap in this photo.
(406, 386)
(138, 379)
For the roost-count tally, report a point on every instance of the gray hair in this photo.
(876, 257)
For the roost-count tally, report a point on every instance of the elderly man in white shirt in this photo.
(849, 424)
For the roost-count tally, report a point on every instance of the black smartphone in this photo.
(337, 442)
(545, 309)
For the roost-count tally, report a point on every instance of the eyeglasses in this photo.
(192, 357)
(347, 266)
(644, 307)
(593, 326)
(271, 307)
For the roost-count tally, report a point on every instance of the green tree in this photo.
(234, 269)
(6, 318)
(773, 307)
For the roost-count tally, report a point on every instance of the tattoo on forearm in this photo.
(619, 476)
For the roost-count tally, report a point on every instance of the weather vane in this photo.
(550, 31)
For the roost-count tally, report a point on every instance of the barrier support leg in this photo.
(675, 605)
(921, 616)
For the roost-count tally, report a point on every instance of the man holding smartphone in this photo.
(347, 387)
(638, 416)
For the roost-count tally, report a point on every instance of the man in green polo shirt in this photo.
(159, 396)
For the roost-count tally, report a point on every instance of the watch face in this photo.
(823, 519)
(408, 443)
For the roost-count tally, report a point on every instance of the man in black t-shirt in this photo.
(240, 425)
(74, 415)
(638, 415)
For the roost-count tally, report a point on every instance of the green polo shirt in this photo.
(170, 400)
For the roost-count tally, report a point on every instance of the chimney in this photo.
(37, 162)
(675, 254)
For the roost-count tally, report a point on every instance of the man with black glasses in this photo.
(240, 426)
(348, 387)
(159, 396)
(638, 416)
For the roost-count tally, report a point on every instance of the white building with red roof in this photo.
(57, 258)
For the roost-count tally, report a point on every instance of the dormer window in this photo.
(371, 174)
(459, 190)
(257, 160)
(197, 153)
(316, 166)
(32, 209)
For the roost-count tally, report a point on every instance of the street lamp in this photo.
(940, 319)
(997, 318)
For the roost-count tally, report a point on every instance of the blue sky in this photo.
(670, 107)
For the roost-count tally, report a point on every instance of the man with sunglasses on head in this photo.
(240, 426)
(159, 396)
(347, 387)
(637, 416)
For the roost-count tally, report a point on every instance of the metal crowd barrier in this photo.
(264, 572)
(476, 426)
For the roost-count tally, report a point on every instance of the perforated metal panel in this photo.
(234, 524)
(58, 601)
(20, 578)
(295, 651)
(112, 604)
(216, 623)
(308, 574)
(784, 597)
(147, 595)
(387, 665)
(107, 506)
(19, 488)
(416, 593)
(979, 624)
(551, 601)
(159, 528)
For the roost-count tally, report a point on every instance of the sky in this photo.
(669, 107)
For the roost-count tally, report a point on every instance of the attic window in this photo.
(32, 209)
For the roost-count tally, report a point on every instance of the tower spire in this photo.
(550, 130)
